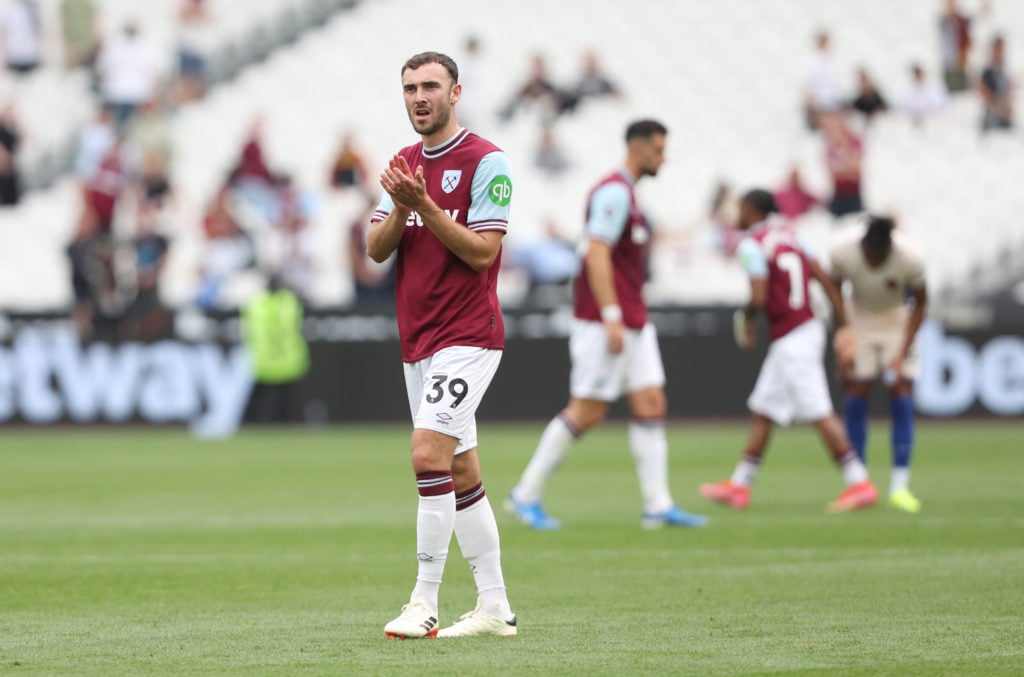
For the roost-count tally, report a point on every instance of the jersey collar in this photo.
(442, 148)
(627, 176)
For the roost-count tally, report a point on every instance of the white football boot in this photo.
(479, 622)
(417, 621)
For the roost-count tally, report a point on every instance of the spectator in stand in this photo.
(292, 246)
(923, 98)
(869, 100)
(550, 158)
(80, 31)
(996, 89)
(349, 167)
(470, 105)
(593, 81)
(91, 258)
(793, 199)
(228, 250)
(10, 139)
(129, 73)
(145, 317)
(21, 35)
(194, 23)
(252, 181)
(821, 86)
(374, 282)
(94, 142)
(844, 156)
(541, 92)
(103, 189)
(149, 135)
(955, 46)
(722, 215)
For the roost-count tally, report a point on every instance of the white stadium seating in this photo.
(725, 76)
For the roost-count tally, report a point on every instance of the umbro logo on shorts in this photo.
(443, 417)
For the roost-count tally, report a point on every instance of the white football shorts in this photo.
(877, 349)
(792, 384)
(446, 388)
(598, 374)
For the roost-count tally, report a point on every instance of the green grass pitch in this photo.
(284, 552)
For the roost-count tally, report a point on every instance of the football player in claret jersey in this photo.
(444, 212)
(612, 345)
(792, 383)
(882, 273)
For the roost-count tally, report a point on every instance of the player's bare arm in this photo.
(383, 237)
(844, 342)
(745, 330)
(602, 283)
(914, 321)
(832, 291)
(477, 250)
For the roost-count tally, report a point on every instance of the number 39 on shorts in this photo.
(441, 387)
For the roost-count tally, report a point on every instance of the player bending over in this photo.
(882, 273)
(792, 383)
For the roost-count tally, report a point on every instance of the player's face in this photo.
(429, 97)
(874, 257)
(652, 155)
(746, 216)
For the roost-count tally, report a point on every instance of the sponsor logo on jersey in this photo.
(414, 220)
(500, 190)
(450, 179)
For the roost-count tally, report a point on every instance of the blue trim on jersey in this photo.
(751, 257)
(484, 213)
(609, 212)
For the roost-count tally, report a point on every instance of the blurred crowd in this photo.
(124, 159)
(843, 119)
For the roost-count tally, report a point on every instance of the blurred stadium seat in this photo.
(725, 77)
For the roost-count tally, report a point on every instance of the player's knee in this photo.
(432, 452)
(650, 403)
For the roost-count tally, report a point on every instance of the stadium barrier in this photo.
(200, 375)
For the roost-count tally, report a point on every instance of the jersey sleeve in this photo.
(751, 257)
(609, 212)
(491, 194)
(384, 208)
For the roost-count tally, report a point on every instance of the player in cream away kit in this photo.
(613, 347)
(445, 210)
(882, 274)
(792, 384)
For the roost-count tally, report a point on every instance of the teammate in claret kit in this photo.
(792, 384)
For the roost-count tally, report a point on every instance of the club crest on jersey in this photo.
(450, 179)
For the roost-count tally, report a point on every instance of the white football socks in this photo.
(435, 522)
(477, 532)
(900, 479)
(854, 471)
(745, 473)
(551, 451)
(650, 452)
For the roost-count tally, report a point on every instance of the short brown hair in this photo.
(645, 129)
(422, 58)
